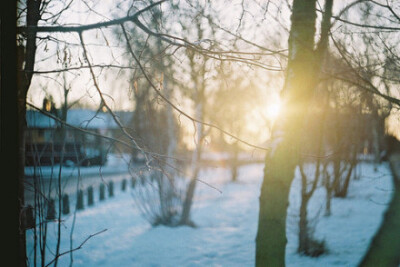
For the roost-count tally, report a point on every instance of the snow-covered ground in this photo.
(227, 224)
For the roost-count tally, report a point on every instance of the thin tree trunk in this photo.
(328, 210)
(328, 188)
(303, 226)
(185, 217)
(234, 162)
(167, 180)
(342, 193)
(337, 173)
(376, 139)
(63, 139)
(345, 188)
(198, 76)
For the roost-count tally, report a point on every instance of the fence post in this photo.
(123, 186)
(90, 196)
(79, 200)
(111, 188)
(65, 204)
(51, 210)
(102, 192)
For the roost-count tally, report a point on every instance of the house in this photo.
(45, 144)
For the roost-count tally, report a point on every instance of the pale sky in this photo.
(118, 87)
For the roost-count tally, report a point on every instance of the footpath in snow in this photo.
(227, 224)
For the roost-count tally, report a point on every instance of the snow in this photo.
(226, 225)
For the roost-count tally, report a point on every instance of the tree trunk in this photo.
(9, 139)
(25, 65)
(328, 210)
(21, 178)
(343, 189)
(283, 156)
(376, 139)
(336, 174)
(234, 162)
(328, 189)
(167, 180)
(198, 76)
(303, 226)
(185, 217)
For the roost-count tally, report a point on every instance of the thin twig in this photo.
(77, 248)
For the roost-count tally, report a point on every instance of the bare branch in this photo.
(77, 248)
(83, 28)
(174, 106)
(104, 66)
(380, 27)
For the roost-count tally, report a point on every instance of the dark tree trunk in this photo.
(336, 174)
(328, 188)
(9, 139)
(345, 188)
(187, 204)
(342, 189)
(271, 235)
(328, 210)
(303, 227)
(25, 67)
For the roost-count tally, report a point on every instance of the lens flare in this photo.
(273, 110)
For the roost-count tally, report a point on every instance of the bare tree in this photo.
(198, 71)
(302, 76)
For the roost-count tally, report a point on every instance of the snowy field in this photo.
(227, 224)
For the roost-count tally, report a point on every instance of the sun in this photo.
(274, 109)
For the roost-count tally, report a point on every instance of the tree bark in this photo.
(328, 188)
(25, 65)
(167, 180)
(303, 227)
(283, 157)
(343, 189)
(234, 162)
(9, 129)
(198, 76)
(328, 211)
(187, 204)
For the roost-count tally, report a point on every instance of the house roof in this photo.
(83, 118)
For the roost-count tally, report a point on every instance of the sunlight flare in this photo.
(274, 109)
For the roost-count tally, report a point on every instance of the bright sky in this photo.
(117, 86)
